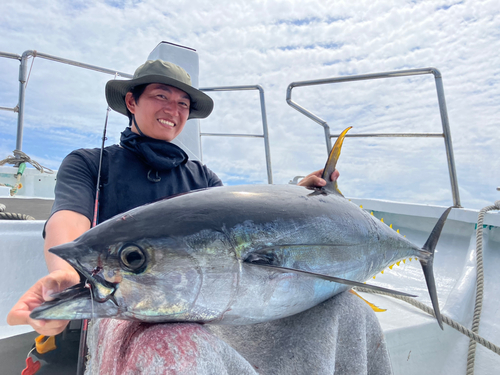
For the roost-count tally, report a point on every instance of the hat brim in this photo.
(201, 104)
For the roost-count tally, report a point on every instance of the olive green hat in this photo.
(159, 71)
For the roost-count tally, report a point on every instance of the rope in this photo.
(471, 354)
(460, 328)
(11, 216)
(29, 74)
(26, 159)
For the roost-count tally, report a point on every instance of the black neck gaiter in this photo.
(159, 155)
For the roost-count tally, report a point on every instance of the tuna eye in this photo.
(133, 258)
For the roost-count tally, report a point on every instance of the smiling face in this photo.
(161, 111)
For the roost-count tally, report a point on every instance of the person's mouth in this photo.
(166, 122)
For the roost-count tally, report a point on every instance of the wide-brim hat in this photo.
(159, 71)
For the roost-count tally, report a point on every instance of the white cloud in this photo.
(273, 43)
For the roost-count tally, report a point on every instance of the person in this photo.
(143, 168)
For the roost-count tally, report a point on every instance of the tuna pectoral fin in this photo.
(331, 186)
(331, 278)
(427, 265)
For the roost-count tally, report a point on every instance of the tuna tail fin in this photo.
(331, 186)
(427, 265)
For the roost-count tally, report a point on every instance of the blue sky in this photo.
(274, 43)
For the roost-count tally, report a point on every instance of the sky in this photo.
(272, 44)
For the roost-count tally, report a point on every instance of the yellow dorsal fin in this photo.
(332, 162)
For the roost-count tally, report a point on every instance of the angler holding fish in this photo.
(259, 263)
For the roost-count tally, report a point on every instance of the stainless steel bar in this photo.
(231, 135)
(447, 138)
(401, 73)
(22, 83)
(362, 77)
(265, 131)
(409, 135)
(15, 109)
(267, 147)
(311, 115)
(76, 63)
(20, 103)
(10, 55)
(231, 88)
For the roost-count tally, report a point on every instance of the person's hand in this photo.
(36, 295)
(314, 179)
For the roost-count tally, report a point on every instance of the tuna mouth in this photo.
(78, 301)
(99, 289)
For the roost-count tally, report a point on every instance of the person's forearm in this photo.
(62, 227)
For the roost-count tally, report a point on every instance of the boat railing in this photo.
(265, 133)
(23, 77)
(446, 134)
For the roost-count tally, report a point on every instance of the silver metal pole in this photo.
(447, 137)
(265, 132)
(401, 73)
(22, 84)
(8, 55)
(15, 109)
(20, 104)
(308, 113)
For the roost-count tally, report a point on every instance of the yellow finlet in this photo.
(382, 220)
(360, 206)
(374, 308)
(382, 271)
(390, 267)
(390, 226)
(371, 213)
(404, 261)
(398, 263)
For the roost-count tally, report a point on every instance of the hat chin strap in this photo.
(137, 126)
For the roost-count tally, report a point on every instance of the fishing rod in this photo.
(83, 349)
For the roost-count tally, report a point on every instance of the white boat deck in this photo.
(416, 343)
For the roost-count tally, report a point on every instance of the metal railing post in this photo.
(23, 67)
(401, 73)
(20, 103)
(447, 137)
(265, 132)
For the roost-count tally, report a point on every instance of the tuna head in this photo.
(147, 279)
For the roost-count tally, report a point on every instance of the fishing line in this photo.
(89, 287)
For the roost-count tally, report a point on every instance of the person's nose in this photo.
(170, 107)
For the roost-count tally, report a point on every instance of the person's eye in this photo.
(184, 104)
